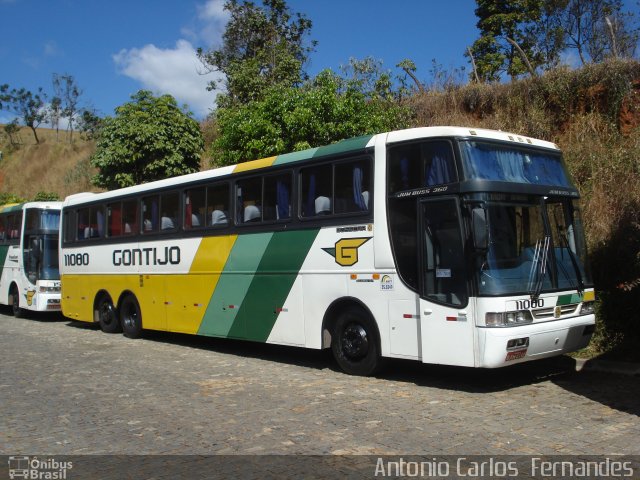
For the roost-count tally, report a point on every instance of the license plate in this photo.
(515, 355)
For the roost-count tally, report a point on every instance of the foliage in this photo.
(525, 35)
(67, 95)
(595, 29)
(262, 47)
(6, 198)
(149, 138)
(90, 124)
(323, 111)
(46, 197)
(25, 104)
(12, 129)
(499, 22)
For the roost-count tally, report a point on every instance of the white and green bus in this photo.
(29, 275)
(444, 245)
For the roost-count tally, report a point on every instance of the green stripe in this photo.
(295, 156)
(569, 299)
(357, 143)
(235, 280)
(3, 256)
(272, 283)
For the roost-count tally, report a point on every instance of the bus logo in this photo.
(346, 250)
(18, 467)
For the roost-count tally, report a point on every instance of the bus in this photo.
(445, 245)
(29, 243)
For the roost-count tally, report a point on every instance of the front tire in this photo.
(15, 303)
(131, 317)
(354, 343)
(107, 316)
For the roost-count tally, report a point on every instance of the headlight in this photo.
(588, 308)
(507, 319)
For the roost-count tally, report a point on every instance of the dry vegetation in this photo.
(593, 114)
(53, 166)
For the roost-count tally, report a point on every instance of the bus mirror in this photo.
(480, 229)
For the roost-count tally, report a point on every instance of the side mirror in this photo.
(480, 229)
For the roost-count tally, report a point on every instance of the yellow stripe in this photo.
(255, 164)
(589, 296)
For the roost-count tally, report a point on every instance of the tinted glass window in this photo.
(420, 165)
(218, 205)
(317, 191)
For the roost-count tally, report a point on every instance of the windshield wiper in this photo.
(539, 266)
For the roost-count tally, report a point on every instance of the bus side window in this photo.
(150, 214)
(114, 219)
(130, 217)
(170, 209)
(352, 185)
(277, 197)
(218, 205)
(317, 191)
(195, 208)
(3, 229)
(249, 200)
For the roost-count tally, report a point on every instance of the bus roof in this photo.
(14, 207)
(344, 146)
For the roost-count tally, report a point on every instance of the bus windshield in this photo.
(507, 163)
(535, 245)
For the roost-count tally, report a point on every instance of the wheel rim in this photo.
(16, 302)
(354, 341)
(130, 315)
(106, 313)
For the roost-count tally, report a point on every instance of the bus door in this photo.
(446, 326)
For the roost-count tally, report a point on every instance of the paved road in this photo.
(67, 388)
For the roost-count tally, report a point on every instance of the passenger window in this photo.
(218, 205)
(13, 226)
(90, 223)
(150, 214)
(317, 191)
(130, 217)
(352, 186)
(195, 208)
(420, 165)
(170, 211)
(277, 197)
(249, 200)
(114, 219)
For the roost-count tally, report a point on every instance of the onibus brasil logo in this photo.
(36, 468)
(346, 250)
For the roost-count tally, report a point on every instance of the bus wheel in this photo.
(354, 343)
(131, 317)
(107, 316)
(15, 303)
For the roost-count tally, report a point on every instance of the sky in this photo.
(114, 48)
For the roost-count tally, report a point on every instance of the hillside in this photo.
(593, 114)
(54, 165)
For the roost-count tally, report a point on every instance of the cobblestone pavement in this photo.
(67, 388)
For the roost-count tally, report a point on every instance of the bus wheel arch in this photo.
(130, 315)
(14, 301)
(105, 313)
(354, 336)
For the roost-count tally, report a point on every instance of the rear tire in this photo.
(107, 315)
(130, 317)
(15, 303)
(354, 342)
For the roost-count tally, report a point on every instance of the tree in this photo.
(149, 138)
(595, 29)
(30, 107)
(327, 109)
(68, 94)
(509, 42)
(89, 124)
(262, 47)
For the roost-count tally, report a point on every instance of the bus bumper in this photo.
(499, 347)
